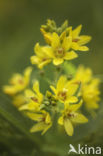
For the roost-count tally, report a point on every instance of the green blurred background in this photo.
(20, 22)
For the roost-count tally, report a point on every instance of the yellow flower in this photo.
(41, 58)
(70, 116)
(65, 90)
(78, 41)
(44, 121)
(83, 74)
(58, 52)
(34, 98)
(60, 49)
(90, 94)
(89, 87)
(18, 82)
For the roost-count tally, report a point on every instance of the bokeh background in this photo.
(20, 22)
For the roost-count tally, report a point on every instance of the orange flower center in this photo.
(20, 81)
(62, 95)
(59, 52)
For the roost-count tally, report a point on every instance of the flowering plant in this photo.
(69, 90)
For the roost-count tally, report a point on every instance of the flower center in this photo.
(20, 81)
(44, 59)
(70, 114)
(59, 52)
(63, 94)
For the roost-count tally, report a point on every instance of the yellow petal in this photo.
(92, 105)
(53, 89)
(27, 71)
(38, 50)
(58, 61)
(43, 52)
(84, 39)
(69, 31)
(36, 86)
(33, 106)
(18, 100)
(48, 37)
(46, 128)
(75, 107)
(38, 127)
(43, 63)
(79, 118)
(70, 55)
(48, 52)
(72, 87)
(34, 59)
(42, 30)
(76, 31)
(35, 116)
(15, 79)
(83, 74)
(68, 127)
(10, 90)
(37, 91)
(72, 99)
(75, 46)
(61, 120)
(23, 107)
(55, 40)
(61, 83)
(63, 35)
(29, 93)
(67, 43)
(95, 82)
(83, 48)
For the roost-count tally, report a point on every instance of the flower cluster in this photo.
(89, 87)
(60, 45)
(66, 95)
